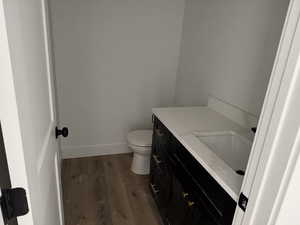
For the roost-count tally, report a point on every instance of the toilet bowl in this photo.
(140, 141)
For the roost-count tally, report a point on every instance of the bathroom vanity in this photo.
(192, 180)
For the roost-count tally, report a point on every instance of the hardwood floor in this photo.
(103, 191)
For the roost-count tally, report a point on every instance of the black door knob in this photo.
(64, 132)
(254, 129)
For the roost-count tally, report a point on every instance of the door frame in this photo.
(281, 82)
(53, 96)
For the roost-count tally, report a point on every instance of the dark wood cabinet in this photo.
(178, 205)
(184, 191)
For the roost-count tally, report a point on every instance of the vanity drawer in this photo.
(160, 185)
(161, 141)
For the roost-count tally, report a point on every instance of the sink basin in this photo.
(231, 147)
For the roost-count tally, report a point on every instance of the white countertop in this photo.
(183, 121)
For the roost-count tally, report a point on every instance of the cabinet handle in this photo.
(184, 194)
(154, 189)
(157, 161)
(190, 203)
(158, 132)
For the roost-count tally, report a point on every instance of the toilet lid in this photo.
(141, 138)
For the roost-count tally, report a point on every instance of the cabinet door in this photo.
(177, 207)
(186, 208)
(197, 216)
(161, 142)
(214, 198)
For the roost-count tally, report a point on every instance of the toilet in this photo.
(140, 141)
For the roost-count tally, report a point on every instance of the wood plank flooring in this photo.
(103, 191)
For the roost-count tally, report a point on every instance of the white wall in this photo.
(114, 60)
(228, 48)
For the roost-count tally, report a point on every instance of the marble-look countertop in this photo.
(184, 121)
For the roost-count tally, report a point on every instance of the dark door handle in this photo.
(13, 203)
(254, 129)
(64, 132)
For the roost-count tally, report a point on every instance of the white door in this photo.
(27, 108)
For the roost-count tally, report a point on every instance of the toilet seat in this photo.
(140, 138)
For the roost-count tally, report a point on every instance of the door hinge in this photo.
(13, 203)
(243, 202)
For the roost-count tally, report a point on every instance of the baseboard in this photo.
(94, 150)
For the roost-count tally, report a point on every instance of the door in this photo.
(4, 174)
(27, 109)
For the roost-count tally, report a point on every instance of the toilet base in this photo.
(140, 164)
